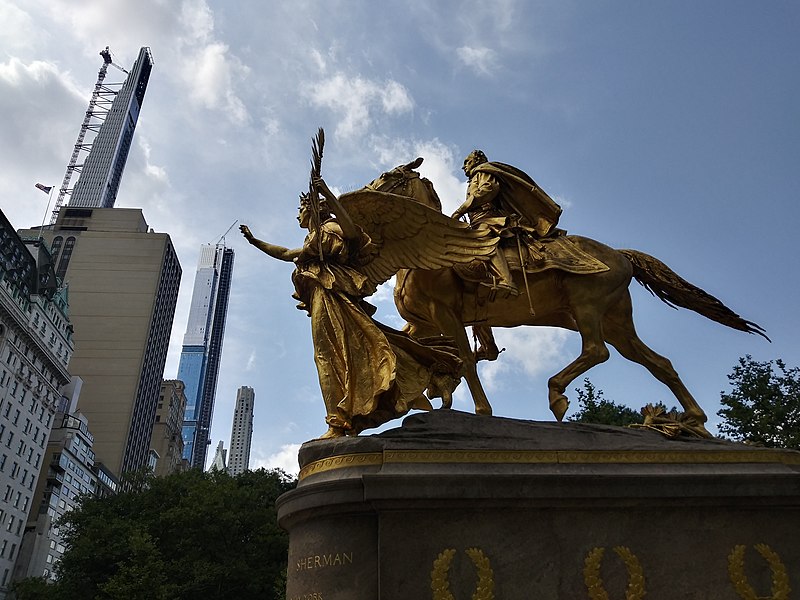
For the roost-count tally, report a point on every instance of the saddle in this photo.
(536, 255)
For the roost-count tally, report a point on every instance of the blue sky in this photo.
(672, 128)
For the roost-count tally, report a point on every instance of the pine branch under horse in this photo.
(597, 306)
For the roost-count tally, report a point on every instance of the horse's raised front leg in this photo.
(593, 352)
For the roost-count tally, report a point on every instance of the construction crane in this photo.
(221, 240)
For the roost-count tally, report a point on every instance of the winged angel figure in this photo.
(368, 372)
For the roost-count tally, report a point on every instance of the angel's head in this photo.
(474, 158)
(304, 217)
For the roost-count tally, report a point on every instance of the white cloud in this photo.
(318, 59)
(563, 201)
(198, 20)
(441, 167)
(532, 351)
(385, 291)
(153, 171)
(285, 459)
(16, 33)
(212, 72)
(358, 101)
(251, 361)
(395, 98)
(37, 140)
(482, 59)
(182, 36)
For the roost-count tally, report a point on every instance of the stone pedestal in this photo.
(453, 506)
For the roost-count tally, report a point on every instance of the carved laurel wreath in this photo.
(780, 579)
(441, 569)
(594, 581)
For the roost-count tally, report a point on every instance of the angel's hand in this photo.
(322, 187)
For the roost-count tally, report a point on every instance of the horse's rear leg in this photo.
(620, 332)
(593, 352)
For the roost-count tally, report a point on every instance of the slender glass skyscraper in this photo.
(202, 348)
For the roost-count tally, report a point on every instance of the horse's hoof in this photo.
(483, 410)
(700, 431)
(559, 405)
(695, 425)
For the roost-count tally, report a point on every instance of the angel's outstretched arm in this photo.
(349, 229)
(279, 252)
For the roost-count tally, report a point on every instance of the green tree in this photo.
(190, 535)
(596, 409)
(763, 406)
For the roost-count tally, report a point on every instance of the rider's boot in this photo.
(501, 279)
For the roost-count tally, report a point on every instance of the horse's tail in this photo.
(671, 288)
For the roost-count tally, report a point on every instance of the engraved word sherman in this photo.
(319, 561)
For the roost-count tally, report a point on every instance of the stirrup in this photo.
(495, 286)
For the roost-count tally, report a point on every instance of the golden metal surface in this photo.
(547, 457)
(669, 424)
(736, 572)
(594, 581)
(442, 302)
(370, 373)
(344, 461)
(440, 584)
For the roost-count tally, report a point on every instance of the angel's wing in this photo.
(410, 235)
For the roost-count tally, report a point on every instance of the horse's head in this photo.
(405, 181)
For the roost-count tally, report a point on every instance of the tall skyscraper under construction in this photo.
(202, 348)
(112, 115)
(241, 431)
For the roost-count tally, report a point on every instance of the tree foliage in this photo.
(596, 409)
(763, 406)
(190, 535)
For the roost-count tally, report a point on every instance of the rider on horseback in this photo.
(509, 202)
(506, 199)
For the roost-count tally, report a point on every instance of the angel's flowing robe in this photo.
(368, 373)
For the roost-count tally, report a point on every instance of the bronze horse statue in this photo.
(597, 306)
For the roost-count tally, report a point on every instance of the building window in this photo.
(57, 243)
(63, 264)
